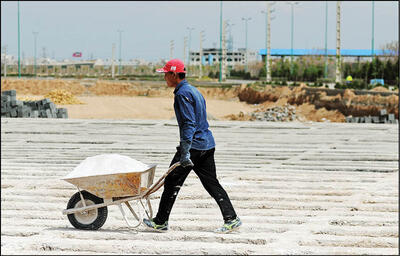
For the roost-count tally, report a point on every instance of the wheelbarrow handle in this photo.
(156, 186)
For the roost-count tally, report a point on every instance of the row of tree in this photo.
(314, 71)
(312, 68)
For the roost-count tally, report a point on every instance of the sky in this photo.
(148, 27)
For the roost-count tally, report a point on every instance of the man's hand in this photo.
(186, 163)
(185, 154)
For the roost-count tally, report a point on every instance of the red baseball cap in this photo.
(175, 65)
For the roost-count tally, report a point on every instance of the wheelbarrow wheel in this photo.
(88, 220)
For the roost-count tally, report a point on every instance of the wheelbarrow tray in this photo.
(114, 185)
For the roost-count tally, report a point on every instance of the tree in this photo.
(370, 71)
(392, 48)
(347, 70)
(387, 73)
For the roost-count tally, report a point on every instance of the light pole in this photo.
(5, 61)
(171, 52)
(190, 39)
(19, 62)
(220, 43)
(230, 41)
(372, 42)
(34, 50)
(246, 20)
(201, 54)
(112, 61)
(120, 46)
(268, 19)
(292, 4)
(185, 39)
(326, 40)
(338, 78)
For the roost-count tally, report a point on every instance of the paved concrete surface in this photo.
(299, 188)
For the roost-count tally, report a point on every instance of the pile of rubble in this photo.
(286, 113)
(62, 97)
(11, 107)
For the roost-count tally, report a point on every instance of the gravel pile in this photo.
(286, 113)
(11, 107)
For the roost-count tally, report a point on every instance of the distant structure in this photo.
(213, 55)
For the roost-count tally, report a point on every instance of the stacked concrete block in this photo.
(383, 118)
(11, 107)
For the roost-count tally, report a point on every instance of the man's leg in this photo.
(172, 185)
(204, 166)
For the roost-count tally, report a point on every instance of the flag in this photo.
(77, 54)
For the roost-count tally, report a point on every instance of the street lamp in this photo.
(230, 41)
(326, 40)
(19, 62)
(372, 42)
(201, 54)
(190, 38)
(120, 59)
(268, 19)
(246, 20)
(5, 61)
(220, 43)
(292, 4)
(34, 50)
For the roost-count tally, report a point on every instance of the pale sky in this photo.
(148, 27)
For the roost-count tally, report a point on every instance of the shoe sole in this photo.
(228, 231)
(155, 230)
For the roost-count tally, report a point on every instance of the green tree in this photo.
(262, 73)
(388, 71)
(370, 71)
(295, 72)
(357, 71)
(347, 70)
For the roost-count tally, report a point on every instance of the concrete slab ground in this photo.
(299, 188)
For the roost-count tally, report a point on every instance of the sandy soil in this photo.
(141, 107)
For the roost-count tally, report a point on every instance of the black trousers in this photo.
(204, 167)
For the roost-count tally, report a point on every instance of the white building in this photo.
(213, 55)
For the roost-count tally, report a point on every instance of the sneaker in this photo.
(230, 226)
(151, 224)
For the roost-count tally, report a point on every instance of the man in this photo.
(195, 151)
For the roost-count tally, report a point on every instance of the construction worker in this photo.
(195, 151)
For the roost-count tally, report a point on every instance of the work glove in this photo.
(185, 154)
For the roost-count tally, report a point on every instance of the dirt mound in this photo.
(41, 87)
(129, 89)
(345, 102)
(380, 89)
(308, 112)
(219, 93)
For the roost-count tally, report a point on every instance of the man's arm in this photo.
(188, 121)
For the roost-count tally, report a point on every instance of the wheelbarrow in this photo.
(87, 208)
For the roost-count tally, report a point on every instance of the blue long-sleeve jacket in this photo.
(190, 111)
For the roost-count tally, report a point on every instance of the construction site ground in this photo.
(299, 188)
(100, 99)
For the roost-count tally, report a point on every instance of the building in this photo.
(213, 55)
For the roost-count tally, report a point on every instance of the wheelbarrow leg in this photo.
(83, 200)
(134, 214)
(149, 215)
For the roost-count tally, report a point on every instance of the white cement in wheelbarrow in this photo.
(105, 164)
